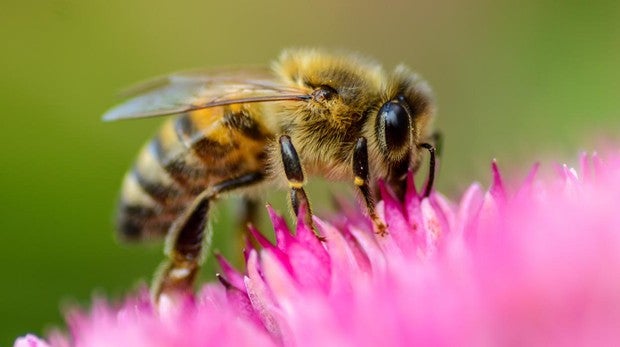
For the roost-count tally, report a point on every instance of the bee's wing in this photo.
(198, 89)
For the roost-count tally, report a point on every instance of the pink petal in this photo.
(230, 274)
(387, 242)
(469, 209)
(283, 234)
(261, 297)
(398, 227)
(30, 341)
(432, 226)
(343, 260)
(497, 189)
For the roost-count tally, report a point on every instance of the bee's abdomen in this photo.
(190, 153)
(152, 196)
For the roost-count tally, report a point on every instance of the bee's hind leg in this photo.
(361, 179)
(184, 243)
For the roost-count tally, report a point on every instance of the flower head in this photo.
(539, 264)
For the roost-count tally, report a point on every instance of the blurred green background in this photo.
(519, 81)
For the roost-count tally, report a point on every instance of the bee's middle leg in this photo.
(361, 179)
(295, 177)
(185, 240)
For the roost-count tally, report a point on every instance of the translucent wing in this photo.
(198, 89)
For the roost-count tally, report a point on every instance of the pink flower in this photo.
(30, 341)
(538, 265)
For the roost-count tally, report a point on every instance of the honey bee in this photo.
(339, 116)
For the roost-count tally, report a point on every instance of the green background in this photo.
(520, 81)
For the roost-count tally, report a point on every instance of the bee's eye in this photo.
(394, 126)
(324, 93)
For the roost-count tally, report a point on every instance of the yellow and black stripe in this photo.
(191, 152)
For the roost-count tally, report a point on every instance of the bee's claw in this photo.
(379, 227)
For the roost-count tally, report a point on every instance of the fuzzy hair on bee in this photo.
(340, 116)
(349, 89)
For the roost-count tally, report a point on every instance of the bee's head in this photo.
(403, 119)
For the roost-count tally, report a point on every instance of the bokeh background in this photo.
(518, 81)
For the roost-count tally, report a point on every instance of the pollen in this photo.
(358, 181)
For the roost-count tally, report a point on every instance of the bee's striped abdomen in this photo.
(190, 153)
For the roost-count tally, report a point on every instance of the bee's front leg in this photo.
(361, 178)
(184, 242)
(434, 149)
(295, 177)
(431, 168)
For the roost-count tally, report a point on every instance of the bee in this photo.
(339, 116)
